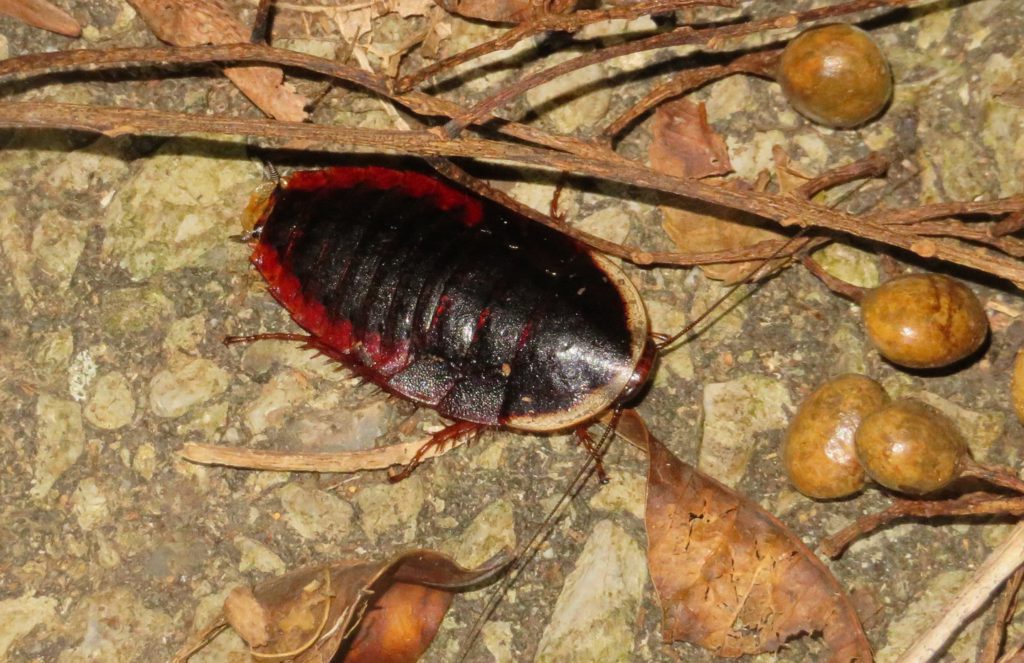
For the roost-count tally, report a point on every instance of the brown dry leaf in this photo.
(791, 177)
(42, 14)
(202, 22)
(685, 145)
(353, 612)
(731, 577)
(507, 11)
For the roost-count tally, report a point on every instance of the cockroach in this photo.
(451, 301)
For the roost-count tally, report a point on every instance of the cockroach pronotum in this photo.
(451, 300)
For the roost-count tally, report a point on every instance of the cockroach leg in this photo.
(437, 441)
(310, 342)
(584, 439)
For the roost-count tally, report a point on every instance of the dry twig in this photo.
(345, 461)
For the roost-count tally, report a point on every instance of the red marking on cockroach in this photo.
(482, 318)
(308, 313)
(414, 184)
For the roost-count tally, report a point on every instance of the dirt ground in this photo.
(119, 279)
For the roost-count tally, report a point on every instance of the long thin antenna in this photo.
(530, 549)
(665, 343)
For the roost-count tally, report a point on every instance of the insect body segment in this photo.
(451, 300)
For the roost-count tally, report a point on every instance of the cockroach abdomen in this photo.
(451, 300)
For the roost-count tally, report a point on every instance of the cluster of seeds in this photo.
(849, 430)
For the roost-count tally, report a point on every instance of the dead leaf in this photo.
(730, 577)
(685, 145)
(42, 14)
(351, 611)
(507, 11)
(704, 227)
(202, 22)
(791, 177)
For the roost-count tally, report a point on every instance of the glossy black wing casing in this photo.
(450, 300)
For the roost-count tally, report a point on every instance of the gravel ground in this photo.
(118, 281)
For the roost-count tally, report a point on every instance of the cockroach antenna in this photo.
(530, 549)
(665, 343)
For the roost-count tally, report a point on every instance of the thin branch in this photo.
(682, 82)
(1003, 561)
(787, 210)
(943, 210)
(711, 38)
(552, 23)
(1003, 614)
(976, 504)
(379, 458)
(40, 64)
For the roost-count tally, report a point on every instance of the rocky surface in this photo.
(119, 280)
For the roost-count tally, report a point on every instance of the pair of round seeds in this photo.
(848, 429)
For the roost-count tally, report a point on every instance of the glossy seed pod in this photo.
(818, 450)
(924, 320)
(835, 75)
(911, 447)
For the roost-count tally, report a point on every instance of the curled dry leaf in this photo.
(202, 22)
(42, 14)
(684, 144)
(730, 577)
(351, 611)
(507, 11)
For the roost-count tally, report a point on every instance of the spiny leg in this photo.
(584, 439)
(437, 441)
(310, 342)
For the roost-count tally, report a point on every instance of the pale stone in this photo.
(111, 405)
(750, 156)
(727, 97)
(314, 513)
(595, 616)
(60, 438)
(81, 373)
(145, 461)
(321, 48)
(57, 243)
(849, 349)
(130, 311)
(391, 508)
(485, 72)
(174, 392)
(497, 637)
(923, 611)
(277, 399)
(113, 625)
(981, 429)
(577, 99)
(849, 264)
(327, 424)
(734, 412)
(89, 504)
(669, 319)
(625, 491)
(185, 334)
(610, 223)
(492, 531)
(18, 616)
(180, 203)
(55, 349)
(257, 557)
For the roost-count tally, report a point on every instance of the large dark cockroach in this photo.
(450, 300)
